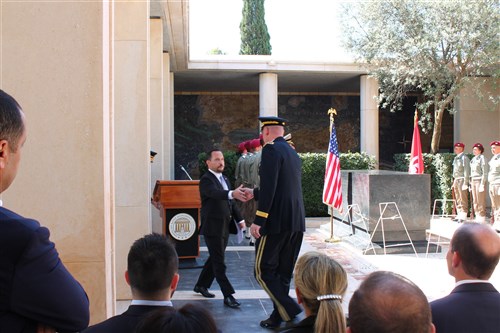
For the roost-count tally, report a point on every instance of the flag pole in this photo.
(332, 238)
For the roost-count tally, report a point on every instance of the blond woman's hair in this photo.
(317, 275)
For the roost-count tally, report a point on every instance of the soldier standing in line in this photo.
(461, 172)
(254, 181)
(246, 207)
(494, 180)
(239, 164)
(479, 176)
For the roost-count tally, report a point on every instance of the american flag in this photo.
(332, 190)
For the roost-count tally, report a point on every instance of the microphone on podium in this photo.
(182, 168)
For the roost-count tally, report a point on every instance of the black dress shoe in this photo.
(231, 302)
(292, 322)
(270, 323)
(204, 291)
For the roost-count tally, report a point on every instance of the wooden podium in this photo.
(179, 204)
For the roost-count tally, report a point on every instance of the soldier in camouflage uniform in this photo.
(461, 172)
(494, 180)
(478, 178)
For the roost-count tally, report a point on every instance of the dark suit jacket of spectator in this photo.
(35, 287)
(124, 323)
(471, 307)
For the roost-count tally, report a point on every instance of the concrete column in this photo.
(57, 62)
(268, 94)
(369, 116)
(132, 131)
(168, 120)
(156, 111)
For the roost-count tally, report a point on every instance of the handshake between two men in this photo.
(245, 194)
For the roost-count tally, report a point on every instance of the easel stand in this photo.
(383, 207)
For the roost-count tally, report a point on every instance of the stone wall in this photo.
(206, 121)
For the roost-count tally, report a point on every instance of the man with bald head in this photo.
(474, 304)
(387, 302)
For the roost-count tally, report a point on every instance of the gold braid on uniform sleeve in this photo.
(261, 214)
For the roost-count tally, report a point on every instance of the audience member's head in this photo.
(12, 137)
(321, 283)
(389, 303)
(474, 252)
(188, 319)
(152, 266)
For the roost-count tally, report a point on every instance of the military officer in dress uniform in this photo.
(494, 180)
(478, 178)
(280, 220)
(461, 172)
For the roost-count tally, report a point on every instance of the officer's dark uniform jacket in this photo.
(281, 207)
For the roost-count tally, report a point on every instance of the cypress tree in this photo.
(253, 29)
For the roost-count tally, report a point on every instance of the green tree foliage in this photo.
(216, 51)
(253, 29)
(435, 47)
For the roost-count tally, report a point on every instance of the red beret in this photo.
(255, 143)
(241, 147)
(495, 143)
(248, 144)
(478, 145)
(459, 144)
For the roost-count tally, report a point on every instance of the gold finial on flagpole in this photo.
(332, 239)
(331, 112)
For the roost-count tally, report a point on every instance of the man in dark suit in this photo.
(474, 304)
(152, 266)
(217, 214)
(37, 293)
(280, 220)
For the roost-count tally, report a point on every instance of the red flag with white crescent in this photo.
(416, 159)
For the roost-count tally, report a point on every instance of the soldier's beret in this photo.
(478, 145)
(248, 144)
(495, 143)
(255, 143)
(459, 144)
(272, 121)
(241, 147)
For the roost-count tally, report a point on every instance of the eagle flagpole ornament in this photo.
(332, 189)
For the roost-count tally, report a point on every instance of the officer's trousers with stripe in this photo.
(275, 257)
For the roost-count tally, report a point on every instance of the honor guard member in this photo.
(238, 173)
(479, 176)
(494, 180)
(279, 222)
(461, 172)
(253, 182)
(288, 139)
